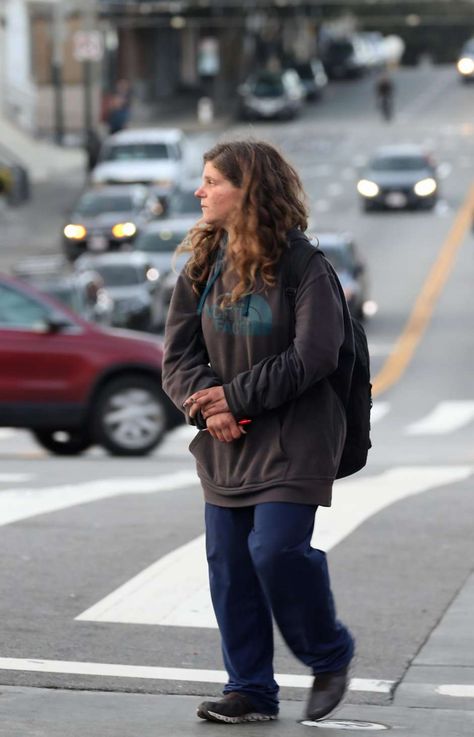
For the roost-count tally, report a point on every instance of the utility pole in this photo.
(89, 25)
(57, 70)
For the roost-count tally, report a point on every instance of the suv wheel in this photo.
(130, 417)
(63, 442)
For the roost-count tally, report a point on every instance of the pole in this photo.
(56, 71)
(89, 23)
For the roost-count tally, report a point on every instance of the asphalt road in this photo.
(102, 558)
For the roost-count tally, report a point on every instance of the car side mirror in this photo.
(56, 323)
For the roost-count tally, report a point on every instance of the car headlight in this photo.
(465, 65)
(425, 187)
(124, 230)
(75, 232)
(152, 274)
(367, 188)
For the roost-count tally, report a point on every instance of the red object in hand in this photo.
(244, 422)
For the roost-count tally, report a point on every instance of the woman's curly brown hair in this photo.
(273, 202)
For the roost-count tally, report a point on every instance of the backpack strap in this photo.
(295, 261)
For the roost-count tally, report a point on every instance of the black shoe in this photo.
(234, 708)
(326, 693)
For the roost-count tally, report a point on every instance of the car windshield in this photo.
(268, 87)
(399, 163)
(136, 152)
(125, 275)
(95, 204)
(159, 242)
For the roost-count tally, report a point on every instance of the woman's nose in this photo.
(199, 192)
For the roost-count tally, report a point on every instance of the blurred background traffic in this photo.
(105, 110)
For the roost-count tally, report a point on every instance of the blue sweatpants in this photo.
(261, 563)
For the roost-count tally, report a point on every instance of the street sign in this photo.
(88, 46)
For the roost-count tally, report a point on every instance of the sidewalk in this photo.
(434, 699)
(45, 159)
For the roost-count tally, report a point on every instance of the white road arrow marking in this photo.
(174, 590)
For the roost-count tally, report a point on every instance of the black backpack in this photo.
(358, 401)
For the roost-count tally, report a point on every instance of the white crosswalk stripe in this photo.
(174, 590)
(446, 417)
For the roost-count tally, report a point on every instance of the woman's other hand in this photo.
(224, 427)
(209, 402)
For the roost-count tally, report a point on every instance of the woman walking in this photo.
(250, 368)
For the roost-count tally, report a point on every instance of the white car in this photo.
(152, 156)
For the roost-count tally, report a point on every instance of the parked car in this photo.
(399, 176)
(341, 250)
(465, 63)
(15, 182)
(152, 156)
(313, 77)
(272, 95)
(82, 293)
(131, 280)
(344, 57)
(108, 218)
(74, 384)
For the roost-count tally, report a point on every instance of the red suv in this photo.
(74, 384)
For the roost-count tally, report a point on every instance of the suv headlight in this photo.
(367, 188)
(124, 230)
(425, 187)
(75, 232)
(465, 65)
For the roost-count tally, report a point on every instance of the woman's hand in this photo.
(224, 427)
(209, 402)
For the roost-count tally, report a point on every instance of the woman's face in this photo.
(220, 199)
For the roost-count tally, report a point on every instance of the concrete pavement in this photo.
(434, 699)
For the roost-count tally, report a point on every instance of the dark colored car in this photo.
(75, 384)
(340, 249)
(272, 95)
(399, 176)
(108, 218)
(313, 77)
(343, 58)
(131, 280)
(465, 63)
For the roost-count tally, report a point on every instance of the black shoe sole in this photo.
(213, 716)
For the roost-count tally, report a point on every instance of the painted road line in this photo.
(15, 478)
(24, 503)
(174, 591)
(456, 690)
(378, 411)
(446, 417)
(405, 346)
(170, 674)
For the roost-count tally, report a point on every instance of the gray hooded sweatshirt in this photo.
(273, 360)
